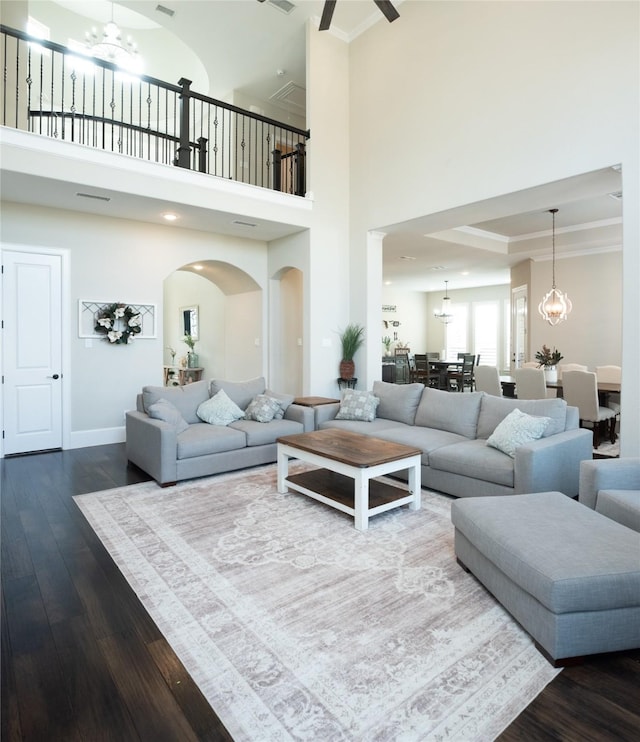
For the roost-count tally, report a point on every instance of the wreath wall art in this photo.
(119, 323)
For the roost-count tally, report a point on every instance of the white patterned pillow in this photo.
(219, 410)
(515, 430)
(169, 413)
(357, 405)
(262, 409)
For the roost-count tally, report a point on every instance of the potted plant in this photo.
(351, 338)
(548, 360)
(386, 341)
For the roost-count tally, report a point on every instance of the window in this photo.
(485, 332)
(456, 335)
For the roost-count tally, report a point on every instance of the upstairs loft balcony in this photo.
(50, 90)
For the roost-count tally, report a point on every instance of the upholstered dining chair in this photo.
(530, 383)
(487, 380)
(580, 389)
(611, 375)
(530, 364)
(562, 367)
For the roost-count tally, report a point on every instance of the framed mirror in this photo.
(189, 321)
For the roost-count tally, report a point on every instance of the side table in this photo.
(315, 402)
(188, 375)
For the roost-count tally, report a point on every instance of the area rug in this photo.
(295, 626)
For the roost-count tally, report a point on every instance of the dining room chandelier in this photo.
(555, 305)
(111, 48)
(445, 314)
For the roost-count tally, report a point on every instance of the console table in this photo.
(182, 375)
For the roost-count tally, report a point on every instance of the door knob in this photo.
(55, 376)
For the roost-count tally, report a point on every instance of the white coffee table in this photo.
(349, 463)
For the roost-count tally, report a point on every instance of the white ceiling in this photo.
(240, 45)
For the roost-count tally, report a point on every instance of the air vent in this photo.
(91, 195)
(243, 224)
(617, 195)
(282, 5)
(292, 95)
(165, 10)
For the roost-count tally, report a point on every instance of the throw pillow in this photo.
(262, 409)
(219, 410)
(358, 405)
(515, 430)
(284, 400)
(163, 410)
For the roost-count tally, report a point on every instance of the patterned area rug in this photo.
(298, 627)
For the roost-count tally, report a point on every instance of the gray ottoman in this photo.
(569, 575)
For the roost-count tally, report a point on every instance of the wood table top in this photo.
(314, 401)
(349, 448)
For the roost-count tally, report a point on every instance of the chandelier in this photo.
(555, 305)
(445, 315)
(111, 48)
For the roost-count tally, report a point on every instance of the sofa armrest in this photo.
(301, 414)
(609, 474)
(152, 445)
(326, 412)
(552, 463)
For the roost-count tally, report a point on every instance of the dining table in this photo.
(443, 368)
(605, 388)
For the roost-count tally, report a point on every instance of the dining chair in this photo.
(562, 367)
(463, 374)
(580, 389)
(610, 375)
(487, 379)
(419, 369)
(530, 383)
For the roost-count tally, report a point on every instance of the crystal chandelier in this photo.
(445, 315)
(555, 305)
(111, 48)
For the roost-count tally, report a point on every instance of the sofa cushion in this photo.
(260, 434)
(427, 439)
(494, 409)
(358, 405)
(163, 410)
(185, 398)
(241, 392)
(476, 460)
(457, 413)
(284, 400)
(219, 410)
(515, 430)
(398, 401)
(202, 439)
(262, 409)
(374, 428)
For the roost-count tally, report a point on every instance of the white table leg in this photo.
(415, 486)
(361, 500)
(283, 470)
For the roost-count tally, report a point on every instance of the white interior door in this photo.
(32, 351)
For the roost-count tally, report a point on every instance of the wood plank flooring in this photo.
(82, 660)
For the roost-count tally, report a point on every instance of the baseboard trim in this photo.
(99, 437)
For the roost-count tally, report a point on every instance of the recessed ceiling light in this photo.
(170, 217)
(407, 257)
(464, 273)
(437, 267)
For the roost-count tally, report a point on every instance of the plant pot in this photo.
(551, 374)
(347, 369)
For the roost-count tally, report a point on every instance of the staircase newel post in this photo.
(300, 171)
(183, 155)
(277, 170)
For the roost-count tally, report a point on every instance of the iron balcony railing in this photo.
(49, 89)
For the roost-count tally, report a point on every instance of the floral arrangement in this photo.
(547, 357)
(190, 341)
(386, 341)
(119, 323)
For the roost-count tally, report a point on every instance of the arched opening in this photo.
(228, 306)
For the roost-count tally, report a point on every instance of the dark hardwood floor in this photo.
(82, 660)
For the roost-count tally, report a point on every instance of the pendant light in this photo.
(445, 314)
(111, 47)
(555, 305)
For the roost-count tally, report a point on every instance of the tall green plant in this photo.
(352, 338)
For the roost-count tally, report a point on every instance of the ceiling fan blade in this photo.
(389, 12)
(327, 14)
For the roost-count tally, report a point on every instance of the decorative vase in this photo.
(192, 360)
(551, 374)
(347, 369)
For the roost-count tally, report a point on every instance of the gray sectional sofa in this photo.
(183, 446)
(452, 430)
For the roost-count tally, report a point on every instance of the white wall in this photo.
(492, 98)
(411, 312)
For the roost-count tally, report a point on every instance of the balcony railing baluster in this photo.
(61, 94)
